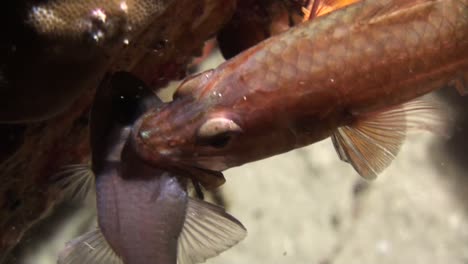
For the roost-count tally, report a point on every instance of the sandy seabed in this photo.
(307, 207)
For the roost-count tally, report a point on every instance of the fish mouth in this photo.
(208, 178)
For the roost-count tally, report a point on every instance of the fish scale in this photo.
(329, 47)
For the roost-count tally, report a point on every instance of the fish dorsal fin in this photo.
(208, 230)
(373, 12)
(76, 180)
(317, 8)
(388, 11)
(371, 142)
(90, 248)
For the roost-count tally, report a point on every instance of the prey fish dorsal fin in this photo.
(90, 248)
(372, 142)
(76, 180)
(316, 8)
(208, 230)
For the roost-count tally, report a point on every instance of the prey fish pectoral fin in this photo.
(208, 230)
(75, 180)
(373, 140)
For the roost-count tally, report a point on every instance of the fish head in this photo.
(175, 138)
(210, 125)
(190, 133)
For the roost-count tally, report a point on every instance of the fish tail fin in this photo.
(90, 248)
(372, 142)
(75, 180)
(208, 230)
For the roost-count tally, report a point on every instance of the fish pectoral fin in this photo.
(339, 147)
(75, 180)
(90, 248)
(208, 230)
(373, 140)
(207, 178)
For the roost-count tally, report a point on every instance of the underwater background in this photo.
(307, 206)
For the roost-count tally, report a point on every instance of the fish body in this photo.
(351, 75)
(141, 216)
(141, 210)
(144, 212)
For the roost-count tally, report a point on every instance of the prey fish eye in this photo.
(217, 132)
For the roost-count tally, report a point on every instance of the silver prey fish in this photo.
(145, 215)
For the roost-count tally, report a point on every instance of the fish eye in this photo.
(219, 141)
(217, 132)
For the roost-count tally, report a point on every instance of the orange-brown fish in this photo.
(351, 75)
(145, 215)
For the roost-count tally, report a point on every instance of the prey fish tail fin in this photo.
(374, 139)
(75, 180)
(90, 248)
(208, 230)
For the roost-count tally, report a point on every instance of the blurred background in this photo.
(307, 206)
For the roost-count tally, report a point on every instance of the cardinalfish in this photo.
(355, 75)
(144, 213)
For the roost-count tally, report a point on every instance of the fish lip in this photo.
(209, 179)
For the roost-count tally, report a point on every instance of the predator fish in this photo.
(355, 75)
(144, 213)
